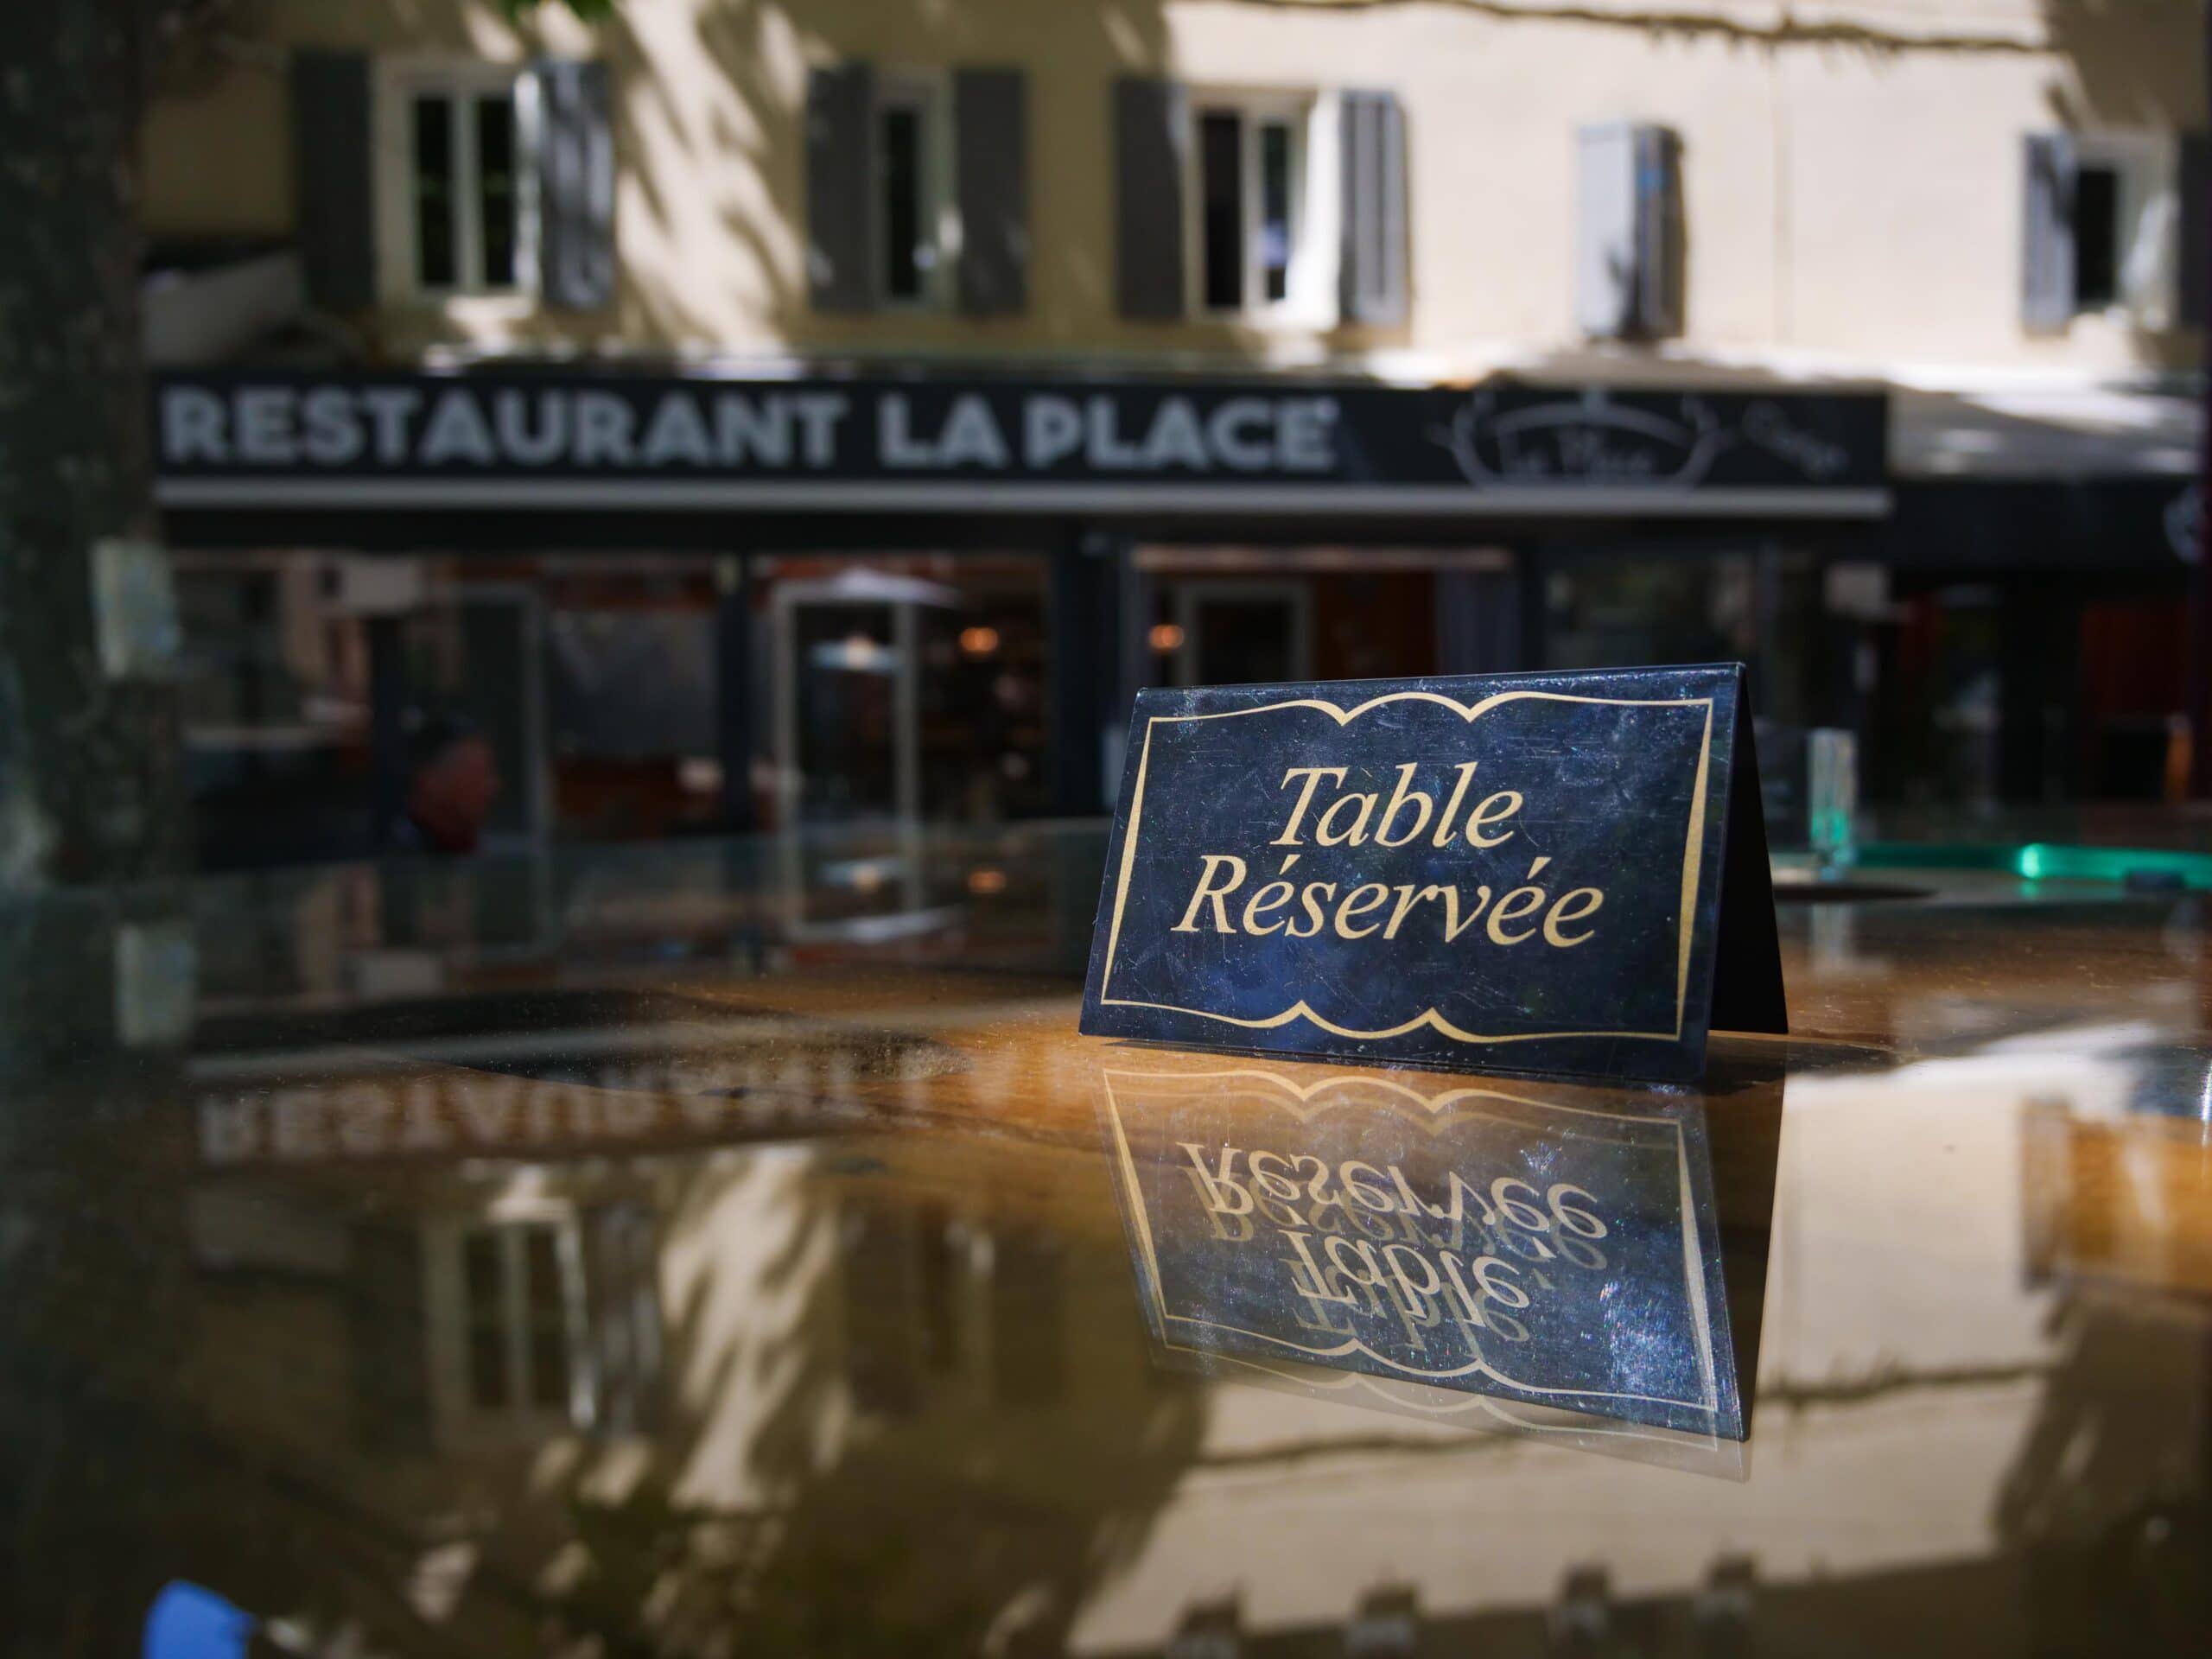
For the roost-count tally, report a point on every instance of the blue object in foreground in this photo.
(188, 1621)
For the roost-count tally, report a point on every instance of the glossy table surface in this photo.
(731, 1247)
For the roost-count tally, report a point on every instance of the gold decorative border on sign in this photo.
(1693, 1255)
(1692, 857)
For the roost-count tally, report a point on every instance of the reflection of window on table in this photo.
(1028, 1360)
(929, 1300)
(515, 1293)
(624, 1300)
(902, 1321)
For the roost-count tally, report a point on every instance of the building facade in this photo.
(757, 414)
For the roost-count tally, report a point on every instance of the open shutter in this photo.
(840, 192)
(1628, 249)
(990, 111)
(1150, 120)
(2194, 274)
(333, 204)
(575, 184)
(1659, 232)
(2047, 257)
(1371, 263)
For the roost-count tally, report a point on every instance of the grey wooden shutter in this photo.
(2193, 174)
(990, 121)
(2047, 255)
(1659, 232)
(333, 205)
(1150, 121)
(1628, 234)
(575, 184)
(840, 187)
(1371, 263)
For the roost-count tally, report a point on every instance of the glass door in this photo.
(1242, 633)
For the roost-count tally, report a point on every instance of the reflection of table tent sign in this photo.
(1456, 1252)
(1548, 873)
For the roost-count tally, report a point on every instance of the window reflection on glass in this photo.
(846, 667)
(546, 1320)
(1028, 1332)
(899, 695)
(483, 1286)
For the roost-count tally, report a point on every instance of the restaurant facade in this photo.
(782, 416)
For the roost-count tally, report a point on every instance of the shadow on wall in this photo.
(711, 203)
(710, 148)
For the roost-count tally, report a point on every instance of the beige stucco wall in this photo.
(1853, 178)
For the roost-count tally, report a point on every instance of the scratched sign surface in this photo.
(1512, 872)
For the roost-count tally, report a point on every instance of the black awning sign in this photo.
(546, 439)
(1561, 872)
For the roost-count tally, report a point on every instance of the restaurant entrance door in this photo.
(910, 690)
(1242, 633)
(848, 695)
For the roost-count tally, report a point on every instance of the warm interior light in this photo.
(979, 642)
(984, 881)
(1167, 637)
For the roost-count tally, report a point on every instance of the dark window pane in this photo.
(487, 1346)
(1275, 208)
(480, 1272)
(1028, 1332)
(940, 1288)
(434, 194)
(2096, 238)
(496, 194)
(1220, 206)
(903, 229)
(548, 1324)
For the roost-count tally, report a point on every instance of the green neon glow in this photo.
(2043, 861)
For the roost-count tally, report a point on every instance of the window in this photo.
(460, 196)
(521, 1301)
(1629, 241)
(912, 200)
(2103, 228)
(2096, 238)
(1251, 237)
(2125, 210)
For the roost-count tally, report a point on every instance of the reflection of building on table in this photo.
(899, 1344)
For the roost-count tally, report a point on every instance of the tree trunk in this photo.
(90, 776)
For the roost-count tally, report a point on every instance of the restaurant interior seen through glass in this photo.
(1130, 829)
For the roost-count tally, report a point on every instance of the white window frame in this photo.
(460, 1417)
(2147, 240)
(400, 83)
(928, 94)
(1310, 296)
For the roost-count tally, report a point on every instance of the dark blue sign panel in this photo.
(1521, 873)
(1421, 1243)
